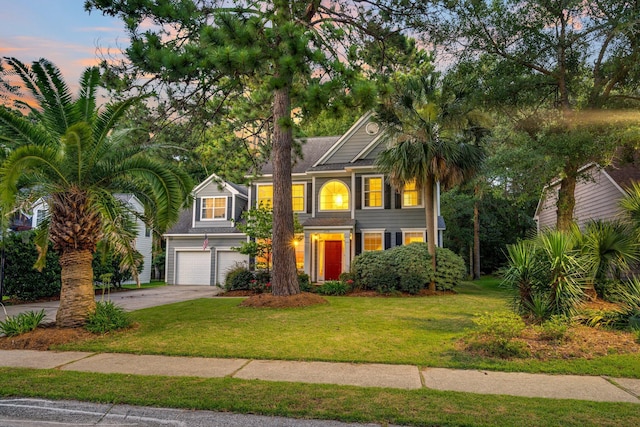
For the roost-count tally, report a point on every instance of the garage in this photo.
(227, 260)
(193, 268)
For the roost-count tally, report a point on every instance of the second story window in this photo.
(214, 208)
(265, 196)
(372, 191)
(411, 196)
(334, 196)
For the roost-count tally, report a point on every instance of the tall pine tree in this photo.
(255, 62)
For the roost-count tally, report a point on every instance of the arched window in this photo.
(334, 196)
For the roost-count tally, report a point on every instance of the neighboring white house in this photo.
(597, 195)
(143, 242)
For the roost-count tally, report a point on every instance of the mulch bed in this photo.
(303, 299)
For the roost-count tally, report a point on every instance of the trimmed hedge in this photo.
(407, 269)
(21, 280)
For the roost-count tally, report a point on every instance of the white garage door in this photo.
(193, 268)
(227, 260)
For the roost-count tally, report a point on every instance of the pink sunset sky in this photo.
(60, 31)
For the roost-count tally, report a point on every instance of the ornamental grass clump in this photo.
(22, 323)
(495, 335)
(107, 317)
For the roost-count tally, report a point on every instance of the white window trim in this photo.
(413, 230)
(421, 205)
(364, 178)
(379, 231)
(334, 210)
(304, 196)
(226, 208)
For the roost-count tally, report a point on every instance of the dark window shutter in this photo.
(309, 197)
(358, 243)
(387, 240)
(198, 204)
(398, 239)
(387, 196)
(358, 192)
(398, 201)
(229, 207)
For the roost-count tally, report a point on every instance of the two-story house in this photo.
(342, 201)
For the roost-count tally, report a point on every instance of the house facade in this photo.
(597, 195)
(344, 204)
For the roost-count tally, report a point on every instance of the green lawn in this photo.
(419, 331)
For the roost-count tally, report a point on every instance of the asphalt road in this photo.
(25, 412)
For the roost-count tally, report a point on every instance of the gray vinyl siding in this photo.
(596, 198)
(213, 190)
(374, 153)
(352, 147)
(195, 243)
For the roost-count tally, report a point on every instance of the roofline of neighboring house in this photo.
(340, 142)
(582, 169)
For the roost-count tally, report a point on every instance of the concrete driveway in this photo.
(129, 300)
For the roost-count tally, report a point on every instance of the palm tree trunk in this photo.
(431, 227)
(77, 298)
(284, 274)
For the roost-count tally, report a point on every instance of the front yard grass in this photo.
(419, 331)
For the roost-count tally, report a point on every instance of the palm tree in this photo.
(426, 144)
(70, 152)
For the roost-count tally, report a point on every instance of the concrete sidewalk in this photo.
(601, 389)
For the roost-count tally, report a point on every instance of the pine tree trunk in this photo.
(476, 239)
(566, 202)
(431, 227)
(77, 298)
(284, 277)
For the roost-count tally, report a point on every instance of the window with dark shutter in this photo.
(399, 239)
(358, 243)
(387, 240)
(309, 197)
(358, 192)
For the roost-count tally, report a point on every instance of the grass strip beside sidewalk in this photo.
(352, 404)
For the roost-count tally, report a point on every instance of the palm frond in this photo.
(86, 102)
(55, 98)
(21, 131)
(41, 240)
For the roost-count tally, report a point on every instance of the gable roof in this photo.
(312, 150)
(344, 138)
(238, 190)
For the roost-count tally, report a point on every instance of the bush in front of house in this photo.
(21, 280)
(304, 281)
(406, 269)
(450, 269)
(239, 278)
(333, 287)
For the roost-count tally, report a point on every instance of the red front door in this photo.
(332, 259)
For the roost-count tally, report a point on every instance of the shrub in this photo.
(333, 287)
(450, 269)
(555, 329)
(496, 333)
(107, 317)
(22, 281)
(107, 270)
(239, 278)
(22, 323)
(407, 269)
(304, 281)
